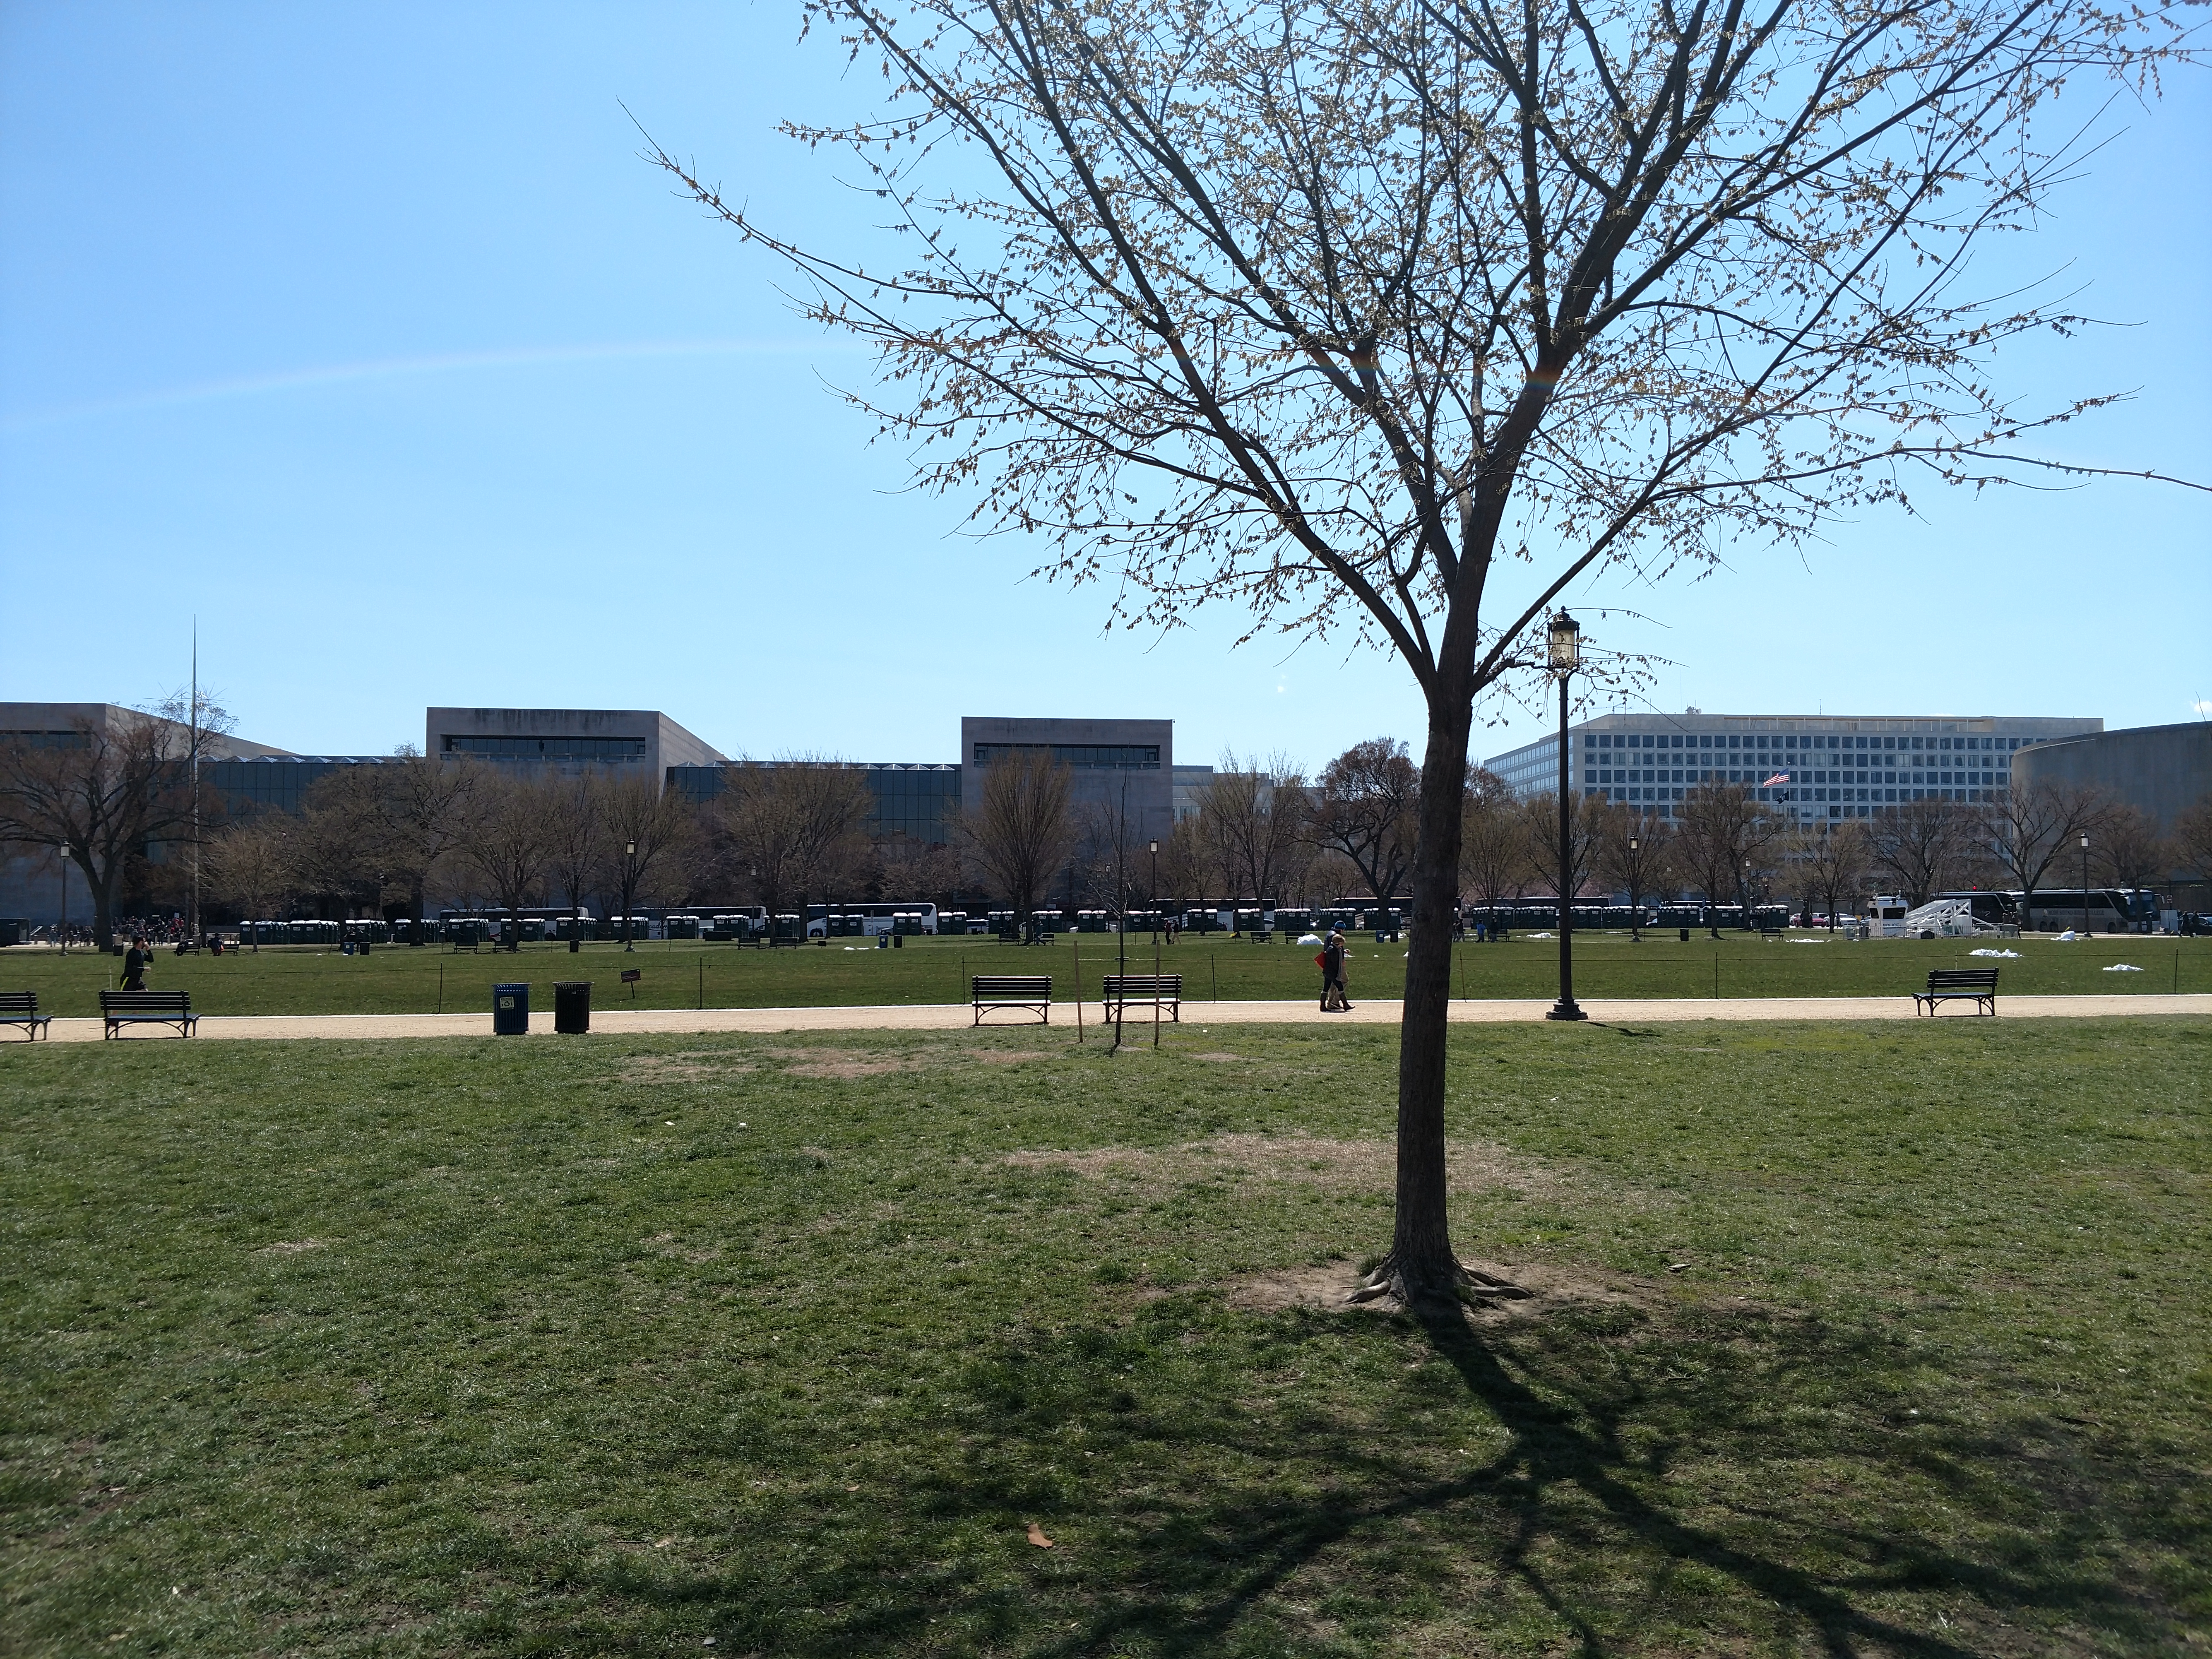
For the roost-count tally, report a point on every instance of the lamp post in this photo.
(1635, 893)
(1153, 905)
(62, 852)
(630, 889)
(2085, 883)
(1563, 655)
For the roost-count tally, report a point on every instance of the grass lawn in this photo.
(400, 980)
(625, 1345)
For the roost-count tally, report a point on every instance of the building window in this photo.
(1080, 757)
(551, 749)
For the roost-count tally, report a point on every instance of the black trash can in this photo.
(510, 1010)
(572, 1007)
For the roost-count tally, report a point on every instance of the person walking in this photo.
(1332, 975)
(136, 961)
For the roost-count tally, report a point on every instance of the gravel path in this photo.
(950, 1017)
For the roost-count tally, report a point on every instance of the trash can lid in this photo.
(506, 990)
(572, 984)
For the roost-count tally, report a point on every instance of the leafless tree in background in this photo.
(1721, 830)
(1635, 856)
(1539, 816)
(1493, 853)
(1921, 847)
(2129, 851)
(1831, 865)
(2192, 838)
(1367, 807)
(102, 793)
(1188, 873)
(1254, 817)
(1021, 830)
(907, 868)
(2023, 833)
(651, 837)
(249, 865)
(576, 854)
(507, 840)
(424, 805)
(793, 827)
(1344, 310)
(341, 852)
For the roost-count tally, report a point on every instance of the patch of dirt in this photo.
(846, 1064)
(681, 1068)
(292, 1247)
(1312, 1160)
(1553, 1286)
(1224, 1060)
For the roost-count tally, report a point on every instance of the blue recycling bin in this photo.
(510, 1010)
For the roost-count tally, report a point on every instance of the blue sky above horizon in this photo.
(366, 337)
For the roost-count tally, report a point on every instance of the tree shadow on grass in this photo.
(1624, 1489)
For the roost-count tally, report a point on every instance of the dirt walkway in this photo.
(950, 1017)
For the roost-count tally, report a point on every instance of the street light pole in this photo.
(1563, 655)
(63, 851)
(630, 889)
(1153, 905)
(1635, 893)
(2085, 883)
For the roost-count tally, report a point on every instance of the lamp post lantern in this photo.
(1563, 655)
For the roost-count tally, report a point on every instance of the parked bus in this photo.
(875, 918)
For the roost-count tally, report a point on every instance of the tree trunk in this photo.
(1421, 1267)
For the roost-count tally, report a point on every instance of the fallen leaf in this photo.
(664, 1543)
(1037, 1537)
(1677, 1266)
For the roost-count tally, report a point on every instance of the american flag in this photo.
(1779, 777)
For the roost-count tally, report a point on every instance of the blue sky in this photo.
(363, 334)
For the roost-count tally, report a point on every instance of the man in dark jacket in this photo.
(1331, 973)
(136, 961)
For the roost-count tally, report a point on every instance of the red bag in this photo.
(1322, 961)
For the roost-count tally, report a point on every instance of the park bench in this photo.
(22, 1008)
(1162, 991)
(121, 1008)
(1976, 985)
(990, 991)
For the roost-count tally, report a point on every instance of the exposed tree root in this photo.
(1448, 1283)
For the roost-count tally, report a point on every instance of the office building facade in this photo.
(1814, 768)
(644, 741)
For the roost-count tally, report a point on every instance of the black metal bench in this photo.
(1032, 991)
(22, 1008)
(1162, 991)
(1976, 985)
(120, 1008)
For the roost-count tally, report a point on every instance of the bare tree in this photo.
(1020, 830)
(424, 805)
(906, 867)
(1254, 813)
(340, 853)
(1832, 861)
(1346, 309)
(1493, 852)
(2130, 852)
(2025, 831)
(1721, 832)
(507, 840)
(249, 865)
(1368, 808)
(1921, 846)
(1635, 856)
(577, 839)
(2192, 838)
(1539, 817)
(103, 794)
(1189, 870)
(795, 826)
(650, 833)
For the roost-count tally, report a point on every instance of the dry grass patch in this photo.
(691, 1068)
(1554, 1286)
